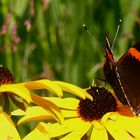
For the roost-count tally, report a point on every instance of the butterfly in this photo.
(124, 75)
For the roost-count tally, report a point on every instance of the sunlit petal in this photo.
(117, 132)
(66, 103)
(18, 112)
(44, 84)
(49, 106)
(56, 129)
(79, 131)
(99, 133)
(71, 136)
(71, 125)
(132, 124)
(69, 113)
(39, 113)
(18, 90)
(74, 90)
(105, 118)
(7, 128)
(33, 113)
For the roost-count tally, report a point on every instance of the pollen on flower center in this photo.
(6, 76)
(103, 102)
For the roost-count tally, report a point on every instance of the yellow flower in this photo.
(12, 92)
(100, 119)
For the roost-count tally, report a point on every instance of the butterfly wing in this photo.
(111, 73)
(129, 71)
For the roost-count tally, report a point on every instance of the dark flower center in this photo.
(103, 102)
(6, 76)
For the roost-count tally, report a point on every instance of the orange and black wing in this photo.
(129, 71)
(111, 73)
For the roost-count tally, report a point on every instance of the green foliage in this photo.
(42, 39)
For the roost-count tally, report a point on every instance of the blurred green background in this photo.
(45, 39)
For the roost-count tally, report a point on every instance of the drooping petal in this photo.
(74, 90)
(44, 84)
(32, 113)
(39, 113)
(18, 90)
(49, 106)
(19, 112)
(66, 103)
(50, 111)
(7, 128)
(39, 133)
(98, 132)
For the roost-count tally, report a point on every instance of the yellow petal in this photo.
(66, 103)
(116, 131)
(106, 117)
(79, 131)
(70, 125)
(71, 136)
(56, 129)
(18, 112)
(97, 125)
(7, 128)
(69, 113)
(44, 84)
(49, 106)
(33, 113)
(39, 133)
(130, 124)
(99, 134)
(18, 90)
(74, 90)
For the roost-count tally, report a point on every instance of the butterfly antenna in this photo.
(118, 28)
(92, 35)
